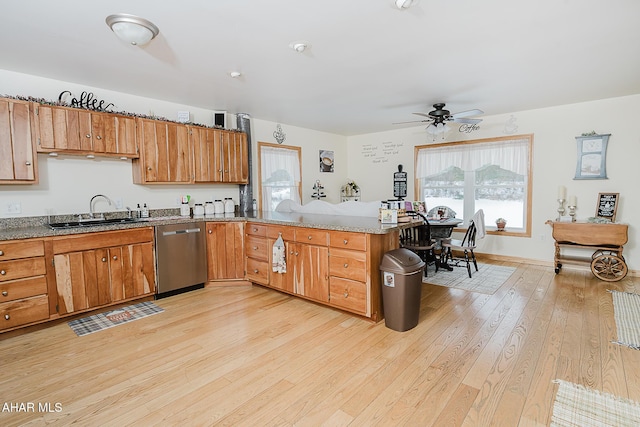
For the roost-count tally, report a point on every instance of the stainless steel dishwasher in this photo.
(181, 258)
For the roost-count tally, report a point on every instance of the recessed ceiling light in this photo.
(299, 46)
(404, 4)
(235, 74)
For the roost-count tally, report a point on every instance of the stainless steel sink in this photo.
(91, 222)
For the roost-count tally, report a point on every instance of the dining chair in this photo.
(466, 246)
(446, 211)
(418, 239)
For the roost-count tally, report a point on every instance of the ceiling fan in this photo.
(439, 116)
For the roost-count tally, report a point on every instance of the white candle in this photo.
(562, 192)
(572, 201)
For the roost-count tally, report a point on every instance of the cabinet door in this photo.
(70, 281)
(235, 157)
(126, 136)
(17, 159)
(103, 133)
(312, 271)
(131, 271)
(206, 144)
(225, 250)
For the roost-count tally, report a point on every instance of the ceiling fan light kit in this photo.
(132, 29)
(439, 116)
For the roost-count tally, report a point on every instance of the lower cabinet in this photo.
(23, 285)
(336, 268)
(225, 251)
(98, 269)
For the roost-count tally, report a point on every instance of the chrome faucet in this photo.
(91, 214)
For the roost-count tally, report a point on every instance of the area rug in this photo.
(486, 280)
(579, 406)
(626, 312)
(109, 319)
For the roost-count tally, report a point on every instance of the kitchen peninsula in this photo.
(330, 259)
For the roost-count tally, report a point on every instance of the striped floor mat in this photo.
(109, 319)
(626, 312)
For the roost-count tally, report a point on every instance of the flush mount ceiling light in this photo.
(235, 74)
(299, 46)
(132, 29)
(404, 4)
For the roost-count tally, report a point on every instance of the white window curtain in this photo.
(512, 155)
(280, 170)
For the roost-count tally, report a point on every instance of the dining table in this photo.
(442, 229)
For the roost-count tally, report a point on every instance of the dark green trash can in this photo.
(401, 288)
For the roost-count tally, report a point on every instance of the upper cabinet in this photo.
(165, 153)
(77, 131)
(17, 149)
(219, 156)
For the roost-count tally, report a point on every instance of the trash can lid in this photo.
(401, 260)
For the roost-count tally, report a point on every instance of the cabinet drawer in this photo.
(287, 232)
(253, 229)
(256, 247)
(258, 271)
(23, 288)
(348, 264)
(348, 294)
(347, 240)
(16, 250)
(310, 235)
(23, 311)
(20, 268)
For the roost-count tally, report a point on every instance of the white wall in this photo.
(67, 183)
(555, 156)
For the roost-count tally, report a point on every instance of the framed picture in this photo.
(607, 206)
(592, 157)
(326, 161)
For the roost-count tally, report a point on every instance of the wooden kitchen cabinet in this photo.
(23, 286)
(311, 264)
(282, 281)
(348, 270)
(164, 153)
(225, 251)
(98, 269)
(18, 159)
(66, 130)
(219, 155)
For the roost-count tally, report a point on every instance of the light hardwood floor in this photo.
(250, 356)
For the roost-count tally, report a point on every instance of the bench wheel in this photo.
(609, 267)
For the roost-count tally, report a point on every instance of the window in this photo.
(492, 174)
(279, 172)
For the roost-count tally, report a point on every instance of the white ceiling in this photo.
(369, 64)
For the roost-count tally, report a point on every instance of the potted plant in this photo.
(500, 223)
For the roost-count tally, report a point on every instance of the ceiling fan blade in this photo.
(412, 121)
(423, 114)
(466, 121)
(467, 113)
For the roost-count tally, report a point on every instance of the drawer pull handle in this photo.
(255, 248)
(115, 257)
(104, 259)
(28, 163)
(345, 241)
(98, 137)
(346, 294)
(297, 253)
(88, 135)
(255, 230)
(7, 317)
(346, 265)
(255, 271)
(5, 293)
(1, 253)
(3, 272)
(210, 231)
(309, 237)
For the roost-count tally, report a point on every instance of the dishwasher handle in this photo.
(184, 231)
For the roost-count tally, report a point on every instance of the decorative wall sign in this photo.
(86, 100)
(326, 161)
(607, 206)
(592, 153)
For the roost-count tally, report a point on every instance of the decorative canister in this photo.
(208, 208)
(198, 209)
(229, 205)
(218, 207)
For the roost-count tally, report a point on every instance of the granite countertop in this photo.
(36, 227)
